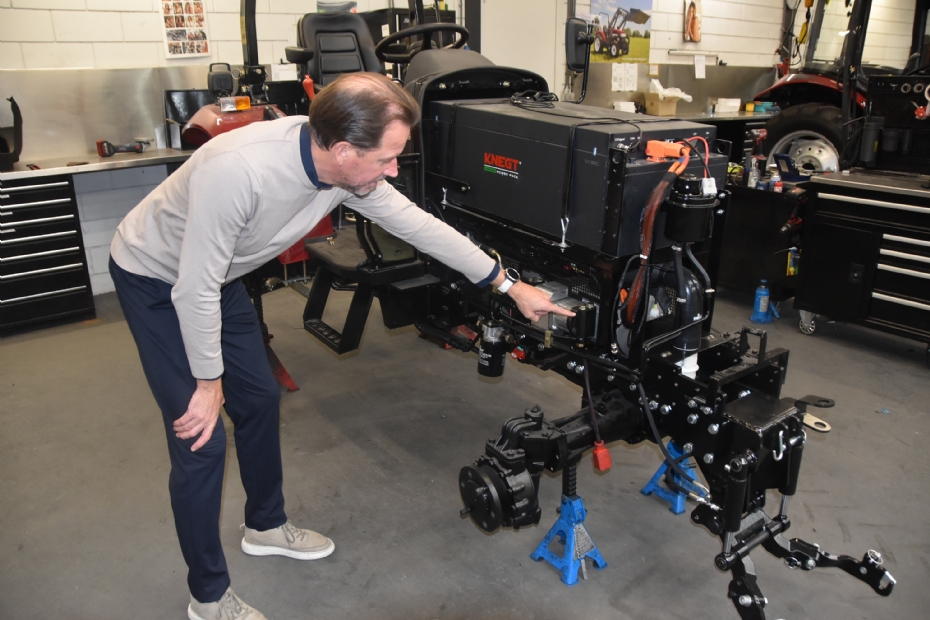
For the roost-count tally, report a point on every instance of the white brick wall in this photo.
(108, 34)
(104, 199)
(741, 32)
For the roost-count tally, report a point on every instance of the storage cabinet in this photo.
(43, 269)
(866, 253)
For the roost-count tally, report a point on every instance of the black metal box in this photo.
(542, 166)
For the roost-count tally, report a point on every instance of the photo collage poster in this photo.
(185, 27)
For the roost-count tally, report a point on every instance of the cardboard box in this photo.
(660, 107)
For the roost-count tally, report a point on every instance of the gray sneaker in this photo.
(288, 541)
(230, 607)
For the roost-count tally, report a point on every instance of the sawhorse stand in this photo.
(675, 498)
(570, 529)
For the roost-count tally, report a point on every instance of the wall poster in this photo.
(185, 29)
(693, 21)
(621, 30)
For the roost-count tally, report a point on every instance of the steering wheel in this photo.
(426, 30)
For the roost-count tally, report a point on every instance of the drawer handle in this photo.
(916, 257)
(37, 237)
(903, 302)
(907, 272)
(10, 259)
(29, 205)
(926, 244)
(29, 188)
(38, 272)
(44, 220)
(14, 300)
(876, 203)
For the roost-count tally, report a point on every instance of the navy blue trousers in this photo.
(252, 403)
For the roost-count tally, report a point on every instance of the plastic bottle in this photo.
(777, 185)
(760, 306)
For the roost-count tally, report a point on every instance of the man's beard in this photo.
(361, 190)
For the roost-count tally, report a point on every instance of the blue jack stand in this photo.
(675, 498)
(578, 544)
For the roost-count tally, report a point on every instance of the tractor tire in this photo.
(625, 48)
(614, 50)
(812, 134)
(598, 45)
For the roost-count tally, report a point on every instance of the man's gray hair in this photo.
(356, 108)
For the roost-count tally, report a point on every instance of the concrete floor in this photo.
(372, 446)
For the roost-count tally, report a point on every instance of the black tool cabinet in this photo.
(866, 253)
(43, 268)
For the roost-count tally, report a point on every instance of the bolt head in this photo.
(611, 377)
(692, 404)
(706, 410)
(579, 369)
(692, 418)
(540, 347)
(688, 447)
(709, 458)
(632, 387)
(571, 365)
(745, 600)
(713, 429)
(665, 410)
(653, 405)
(810, 564)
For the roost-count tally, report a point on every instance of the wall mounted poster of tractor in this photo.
(621, 30)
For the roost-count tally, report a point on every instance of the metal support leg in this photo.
(578, 544)
(676, 499)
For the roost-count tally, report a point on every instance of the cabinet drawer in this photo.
(54, 304)
(28, 283)
(29, 249)
(47, 258)
(36, 208)
(905, 313)
(40, 266)
(903, 281)
(20, 235)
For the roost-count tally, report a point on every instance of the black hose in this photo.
(617, 306)
(658, 437)
(587, 385)
(708, 287)
(679, 274)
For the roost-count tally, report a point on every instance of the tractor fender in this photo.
(800, 88)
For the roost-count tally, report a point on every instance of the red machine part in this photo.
(298, 252)
(209, 122)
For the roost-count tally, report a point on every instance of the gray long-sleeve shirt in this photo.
(237, 203)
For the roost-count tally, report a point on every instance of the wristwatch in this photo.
(512, 276)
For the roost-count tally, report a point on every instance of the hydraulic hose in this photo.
(658, 438)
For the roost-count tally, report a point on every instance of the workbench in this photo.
(866, 253)
(56, 223)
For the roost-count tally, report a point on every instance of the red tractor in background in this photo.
(822, 102)
(612, 37)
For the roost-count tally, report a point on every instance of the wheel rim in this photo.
(598, 46)
(809, 150)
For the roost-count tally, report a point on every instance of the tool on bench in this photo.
(108, 149)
